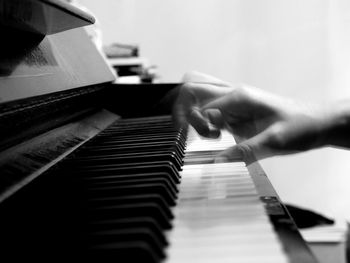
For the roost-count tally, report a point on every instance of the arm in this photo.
(335, 119)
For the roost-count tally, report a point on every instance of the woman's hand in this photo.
(265, 124)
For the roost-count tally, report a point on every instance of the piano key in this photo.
(149, 119)
(147, 167)
(115, 182)
(217, 203)
(133, 176)
(107, 135)
(133, 141)
(127, 223)
(145, 188)
(141, 141)
(128, 251)
(142, 123)
(129, 158)
(112, 157)
(143, 130)
(125, 123)
(230, 220)
(145, 209)
(122, 236)
(132, 199)
(150, 145)
(136, 148)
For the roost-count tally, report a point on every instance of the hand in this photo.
(265, 124)
(197, 90)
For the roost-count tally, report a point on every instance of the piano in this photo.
(95, 171)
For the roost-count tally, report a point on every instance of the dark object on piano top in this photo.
(306, 218)
(43, 17)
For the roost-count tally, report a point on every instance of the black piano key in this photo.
(134, 176)
(118, 128)
(122, 236)
(148, 167)
(145, 188)
(142, 134)
(144, 209)
(142, 131)
(128, 158)
(114, 181)
(131, 251)
(132, 123)
(126, 178)
(129, 223)
(134, 149)
(127, 126)
(123, 137)
(114, 156)
(149, 140)
(132, 199)
(145, 145)
(166, 119)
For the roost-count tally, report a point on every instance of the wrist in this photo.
(336, 124)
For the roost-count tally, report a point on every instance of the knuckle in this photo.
(240, 93)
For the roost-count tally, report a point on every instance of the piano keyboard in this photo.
(219, 216)
(129, 174)
(136, 193)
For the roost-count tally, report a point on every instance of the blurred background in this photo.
(294, 48)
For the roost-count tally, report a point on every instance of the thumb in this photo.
(215, 117)
(254, 148)
(202, 124)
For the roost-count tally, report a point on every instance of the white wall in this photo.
(297, 48)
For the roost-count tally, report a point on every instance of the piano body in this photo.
(91, 170)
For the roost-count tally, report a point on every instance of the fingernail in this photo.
(213, 131)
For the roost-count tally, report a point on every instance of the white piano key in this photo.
(197, 143)
(219, 216)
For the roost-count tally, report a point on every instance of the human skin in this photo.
(265, 124)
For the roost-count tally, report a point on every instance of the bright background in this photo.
(295, 48)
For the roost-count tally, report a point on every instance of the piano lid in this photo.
(43, 17)
(34, 64)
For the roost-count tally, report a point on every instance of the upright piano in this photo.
(95, 171)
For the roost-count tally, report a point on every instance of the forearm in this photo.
(336, 124)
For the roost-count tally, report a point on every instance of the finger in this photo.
(230, 154)
(215, 117)
(202, 124)
(179, 116)
(221, 103)
(255, 148)
(182, 105)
